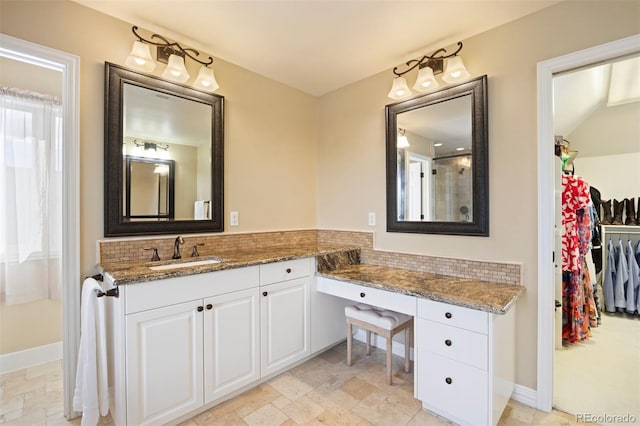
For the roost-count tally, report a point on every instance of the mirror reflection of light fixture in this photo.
(148, 146)
(150, 149)
(161, 169)
(172, 54)
(403, 142)
(428, 66)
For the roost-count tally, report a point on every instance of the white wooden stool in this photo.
(383, 323)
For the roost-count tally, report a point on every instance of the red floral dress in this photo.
(577, 294)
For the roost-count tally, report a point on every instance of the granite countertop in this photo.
(469, 293)
(135, 272)
(340, 263)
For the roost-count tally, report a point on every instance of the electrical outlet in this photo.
(233, 219)
(372, 219)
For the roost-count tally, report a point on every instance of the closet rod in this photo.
(621, 232)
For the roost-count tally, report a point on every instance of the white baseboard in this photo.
(397, 347)
(525, 395)
(29, 357)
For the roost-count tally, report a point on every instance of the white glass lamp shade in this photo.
(455, 71)
(176, 71)
(425, 81)
(399, 89)
(140, 57)
(206, 80)
(403, 142)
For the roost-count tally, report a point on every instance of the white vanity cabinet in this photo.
(285, 313)
(179, 343)
(465, 362)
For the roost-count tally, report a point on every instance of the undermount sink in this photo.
(185, 264)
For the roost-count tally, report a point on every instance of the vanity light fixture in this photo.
(403, 142)
(172, 54)
(428, 67)
(148, 146)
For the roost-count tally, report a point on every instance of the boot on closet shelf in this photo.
(630, 211)
(618, 208)
(638, 213)
(606, 212)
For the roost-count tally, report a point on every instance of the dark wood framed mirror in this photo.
(150, 189)
(437, 162)
(151, 118)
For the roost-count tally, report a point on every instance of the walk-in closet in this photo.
(597, 358)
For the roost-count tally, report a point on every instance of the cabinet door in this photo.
(164, 363)
(284, 324)
(231, 342)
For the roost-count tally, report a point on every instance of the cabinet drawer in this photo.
(371, 296)
(170, 291)
(284, 271)
(457, 316)
(454, 390)
(458, 344)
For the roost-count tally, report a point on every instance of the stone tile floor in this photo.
(321, 391)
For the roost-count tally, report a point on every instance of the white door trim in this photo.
(546, 298)
(69, 65)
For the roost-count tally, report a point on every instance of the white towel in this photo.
(202, 210)
(199, 211)
(91, 395)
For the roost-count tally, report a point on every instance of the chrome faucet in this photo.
(176, 248)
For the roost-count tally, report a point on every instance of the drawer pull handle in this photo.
(362, 295)
(448, 315)
(288, 270)
(200, 309)
(209, 306)
(448, 380)
(264, 293)
(447, 342)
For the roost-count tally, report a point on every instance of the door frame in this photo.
(69, 66)
(546, 205)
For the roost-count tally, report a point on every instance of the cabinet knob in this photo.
(447, 342)
(209, 306)
(264, 293)
(448, 380)
(200, 309)
(448, 315)
(362, 294)
(288, 270)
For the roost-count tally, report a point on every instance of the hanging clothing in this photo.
(637, 255)
(622, 277)
(634, 280)
(608, 279)
(578, 306)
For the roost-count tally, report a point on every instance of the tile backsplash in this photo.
(132, 250)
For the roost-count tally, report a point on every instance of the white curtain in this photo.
(30, 196)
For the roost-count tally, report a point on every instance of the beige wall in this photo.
(290, 156)
(270, 129)
(351, 171)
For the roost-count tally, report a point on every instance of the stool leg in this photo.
(407, 346)
(368, 342)
(349, 342)
(389, 353)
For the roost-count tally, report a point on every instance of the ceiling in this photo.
(317, 46)
(586, 113)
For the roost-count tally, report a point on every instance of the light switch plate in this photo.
(372, 219)
(233, 219)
